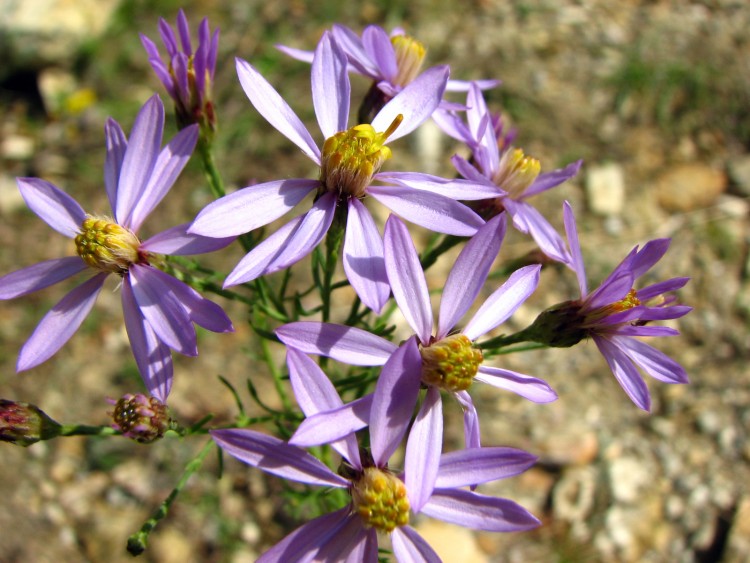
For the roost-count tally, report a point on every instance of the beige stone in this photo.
(688, 187)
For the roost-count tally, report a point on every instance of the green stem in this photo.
(333, 244)
(430, 256)
(84, 430)
(215, 182)
(138, 541)
(506, 340)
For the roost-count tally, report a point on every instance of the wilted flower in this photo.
(349, 161)
(159, 310)
(380, 500)
(140, 418)
(615, 313)
(390, 61)
(24, 424)
(511, 174)
(447, 360)
(187, 75)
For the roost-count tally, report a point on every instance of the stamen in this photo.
(104, 245)
(450, 363)
(516, 172)
(410, 55)
(628, 302)
(379, 497)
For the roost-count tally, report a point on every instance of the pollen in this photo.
(104, 245)
(350, 158)
(516, 172)
(450, 363)
(628, 302)
(410, 55)
(380, 499)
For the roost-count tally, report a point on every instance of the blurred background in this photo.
(653, 95)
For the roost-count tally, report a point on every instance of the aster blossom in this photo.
(159, 310)
(349, 162)
(188, 74)
(391, 60)
(380, 499)
(513, 176)
(444, 361)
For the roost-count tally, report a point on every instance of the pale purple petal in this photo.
(139, 160)
(528, 220)
(463, 190)
(330, 87)
(170, 162)
(551, 179)
(379, 49)
(407, 278)
(464, 85)
(363, 257)
(183, 30)
(479, 512)
(168, 37)
(358, 58)
(256, 262)
(664, 313)
(395, 398)
(315, 393)
(575, 248)
(531, 388)
(504, 301)
(162, 310)
(625, 372)
(423, 449)
(416, 102)
(452, 125)
(654, 362)
(41, 275)
(410, 547)
(177, 241)
(345, 344)
(653, 290)
(615, 288)
(470, 172)
(468, 274)
(327, 427)
(646, 330)
(153, 358)
(350, 544)
(650, 254)
(304, 543)
(481, 465)
(431, 211)
(251, 207)
(60, 323)
(471, 419)
(299, 54)
(275, 110)
(52, 205)
(276, 456)
(117, 145)
(202, 311)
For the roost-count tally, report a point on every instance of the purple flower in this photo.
(380, 499)
(187, 75)
(390, 61)
(444, 361)
(159, 310)
(616, 312)
(349, 161)
(513, 176)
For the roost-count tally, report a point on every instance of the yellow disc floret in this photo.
(450, 363)
(104, 245)
(379, 497)
(516, 172)
(409, 57)
(628, 302)
(350, 158)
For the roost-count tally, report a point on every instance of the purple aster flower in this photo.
(187, 75)
(159, 310)
(390, 61)
(616, 312)
(513, 176)
(446, 360)
(380, 500)
(349, 161)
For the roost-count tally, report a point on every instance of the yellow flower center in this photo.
(409, 58)
(104, 245)
(350, 158)
(628, 302)
(450, 363)
(516, 172)
(380, 499)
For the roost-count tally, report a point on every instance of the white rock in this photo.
(605, 189)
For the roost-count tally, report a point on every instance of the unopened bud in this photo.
(24, 424)
(560, 326)
(140, 418)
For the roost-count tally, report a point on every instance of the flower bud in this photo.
(24, 424)
(140, 418)
(560, 326)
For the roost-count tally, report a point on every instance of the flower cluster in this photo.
(400, 379)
